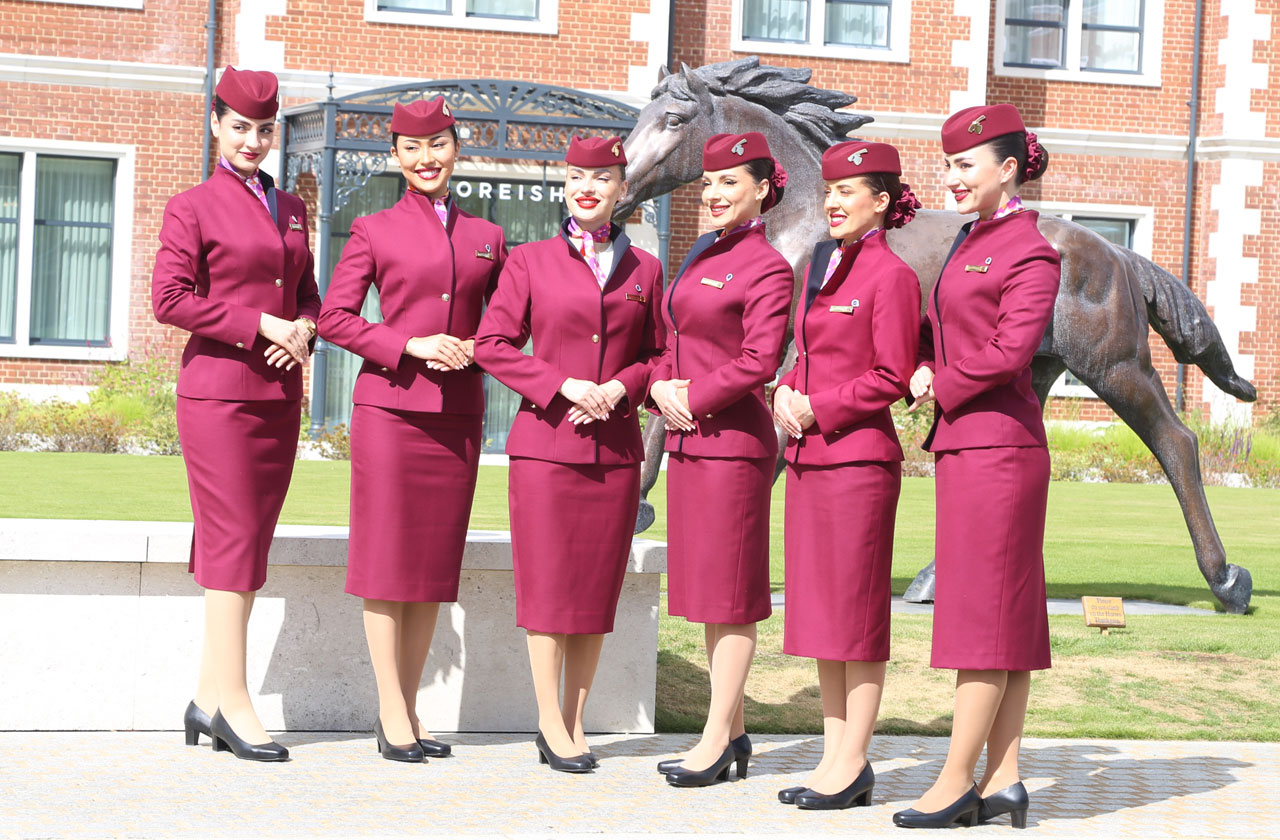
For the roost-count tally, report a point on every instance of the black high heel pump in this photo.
(963, 810)
(857, 793)
(717, 772)
(575, 764)
(411, 753)
(196, 723)
(741, 753)
(1013, 801)
(225, 739)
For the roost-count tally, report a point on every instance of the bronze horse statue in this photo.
(1109, 295)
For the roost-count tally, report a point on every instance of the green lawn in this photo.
(1170, 677)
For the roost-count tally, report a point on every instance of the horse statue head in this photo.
(664, 150)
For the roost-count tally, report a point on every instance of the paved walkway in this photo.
(147, 784)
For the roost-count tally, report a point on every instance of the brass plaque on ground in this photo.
(1103, 612)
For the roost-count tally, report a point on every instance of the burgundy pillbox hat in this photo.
(595, 152)
(251, 93)
(845, 160)
(974, 126)
(422, 118)
(725, 151)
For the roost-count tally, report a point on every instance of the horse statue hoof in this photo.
(1234, 592)
(645, 517)
(921, 589)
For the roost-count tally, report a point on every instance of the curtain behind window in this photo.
(858, 24)
(775, 20)
(71, 259)
(503, 8)
(414, 6)
(10, 175)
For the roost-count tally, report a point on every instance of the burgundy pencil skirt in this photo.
(413, 478)
(571, 528)
(989, 610)
(239, 457)
(839, 550)
(718, 538)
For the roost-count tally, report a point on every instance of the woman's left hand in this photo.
(801, 410)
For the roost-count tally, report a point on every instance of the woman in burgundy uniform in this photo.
(235, 269)
(419, 402)
(986, 318)
(856, 343)
(590, 302)
(726, 314)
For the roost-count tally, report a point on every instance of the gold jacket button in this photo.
(279, 282)
(595, 339)
(384, 370)
(445, 297)
(709, 416)
(240, 344)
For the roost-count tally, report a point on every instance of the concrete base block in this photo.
(116, 644)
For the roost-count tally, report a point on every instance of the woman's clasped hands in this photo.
(791, 411)
(921, 387)
(442, 352)
(591, 402)
(672, 398)
(289, 340)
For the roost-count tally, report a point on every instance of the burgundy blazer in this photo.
(726, 315)
(222, 262)
(430, 280)
(985, 320)
(548, 291)
(856, 346)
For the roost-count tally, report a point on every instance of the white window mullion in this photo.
(817, 23)
(26, 250)
(1074, 34)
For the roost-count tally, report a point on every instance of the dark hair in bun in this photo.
(1025, 148)
(902, 201)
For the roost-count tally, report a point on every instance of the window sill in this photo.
(110, 4)
(548, 24)
(892, 55)
(63, 352)
(1086, 76)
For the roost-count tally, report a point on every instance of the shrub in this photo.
(335, 443)
(140, 393)
(58, 426)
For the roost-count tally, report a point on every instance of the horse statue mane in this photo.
(812, 111)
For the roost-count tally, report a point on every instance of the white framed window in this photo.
(1107, 41)
(66, 229)
(1127, 226)
(868, 30)
(536, 16)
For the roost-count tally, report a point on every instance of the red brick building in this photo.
(104, 106)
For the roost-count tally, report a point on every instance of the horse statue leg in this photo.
(1135, 393)
(655, 436)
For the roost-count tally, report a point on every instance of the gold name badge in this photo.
(981, 269)
(294, 226)
(1103, 612)
(636, 298)
(844, 310)
(485, 255)
(707, 281)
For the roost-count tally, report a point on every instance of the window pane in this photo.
(775, 20)
(503, 8)
(1047, 10)
(10, 176)
(1116, 231)
(1033, 46)
(413, 6)
(857, 24)
(71, 259)
(1113, 12)
(1102, 49)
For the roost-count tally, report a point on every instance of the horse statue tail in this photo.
(1183, 322)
